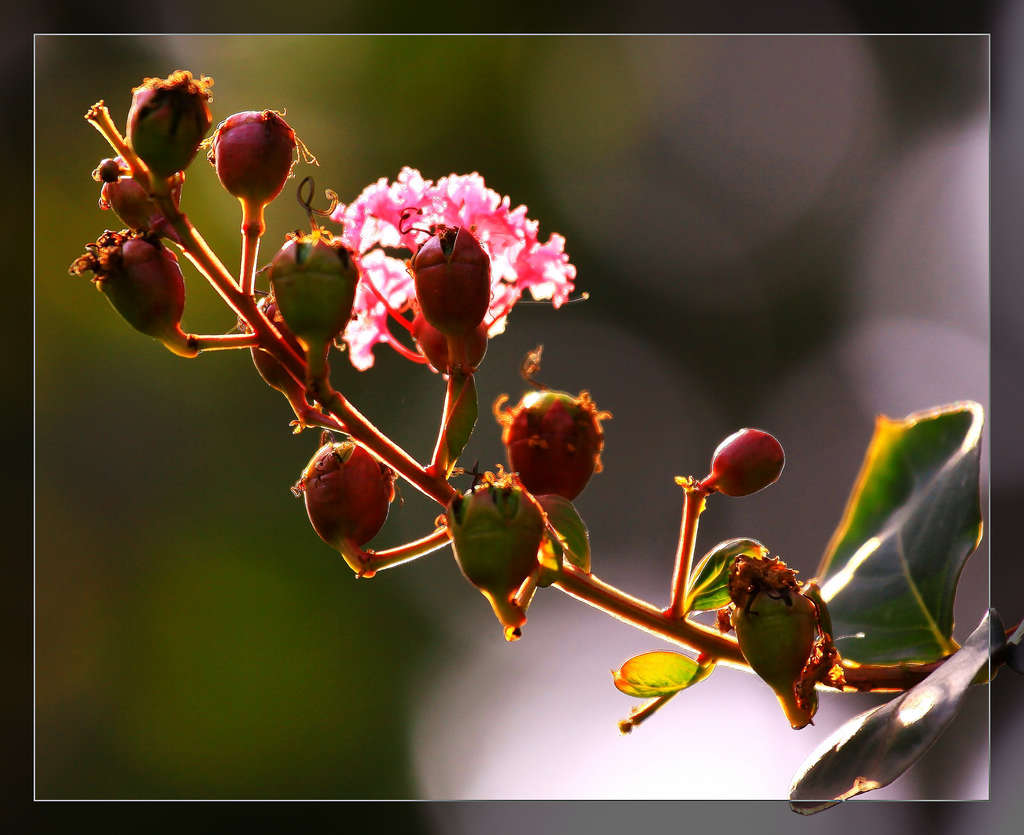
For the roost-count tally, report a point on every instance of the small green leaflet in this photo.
(572, 532)
(709, 583)
(660, 673)
(461, 419)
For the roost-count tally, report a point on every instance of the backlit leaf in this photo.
(570, 527)
(889, 573)
(709, 583)
(655, 674)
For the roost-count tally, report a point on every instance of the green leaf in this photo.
(461, 419)
(873, 749)
(889, 573)
(570, 527)
(709, 583)
(656, 674)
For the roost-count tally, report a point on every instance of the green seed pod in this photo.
(496, 531)
(314, 281)
(776, 627)
(168, 119)
(142, 280)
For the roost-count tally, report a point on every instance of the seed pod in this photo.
(775, 626)
(253, 152)
(747, 461)
(434, 345)
(168, 119)
(314, 281)
(347, 493)
(496, 531)
(553, 440)
(142, 280)
(453, 280)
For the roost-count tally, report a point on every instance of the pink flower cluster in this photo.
(374, 220)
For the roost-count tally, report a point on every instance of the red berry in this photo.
(554, 441)
(253, 152)
(347, 492)
(434, 345)
(142, 280)
(747, 461)
(453, 280)
(168, 119)
(272, 372)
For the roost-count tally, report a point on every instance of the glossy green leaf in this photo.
(873, 749)
(889, 573)
(661, 673)
(709, 583)
(570, 527)
(461, 420)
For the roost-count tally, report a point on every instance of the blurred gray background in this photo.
(782, 232)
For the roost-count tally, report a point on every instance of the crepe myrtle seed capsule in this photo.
(747, 461)
(553, 440)
(168, 119)
(347, 493)
(272, 372)
(253, 153)
(436, 347)
(496, 530)
(775, 627)
(142, 280)
(314, 282)
(452, 274)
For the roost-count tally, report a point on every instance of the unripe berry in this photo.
(747, 461)
(168, 119)
(347, 493)
(553, 440)
(434, 345)
(775, 627)
(453, 280)
(142, 280)
(314, 281)
(253, 152)
(496, 530)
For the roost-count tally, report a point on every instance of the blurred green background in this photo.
(779, 232)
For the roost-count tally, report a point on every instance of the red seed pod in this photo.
(253, 153)
(453, 280)
(496, 530)
(747, 461)
(434, 345)
(142, 280)
(554, 440)
(347, 493)
(168, 119)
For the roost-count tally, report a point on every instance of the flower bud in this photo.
(347, 493)
(314, 282)
(775, 626)
(745, 462)
(168, 119)
(272, 372)
(129, 200)
(496, 530)
(253, 153)
(453, 280)
(142, 280)
(553, 440)
(434, 345)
